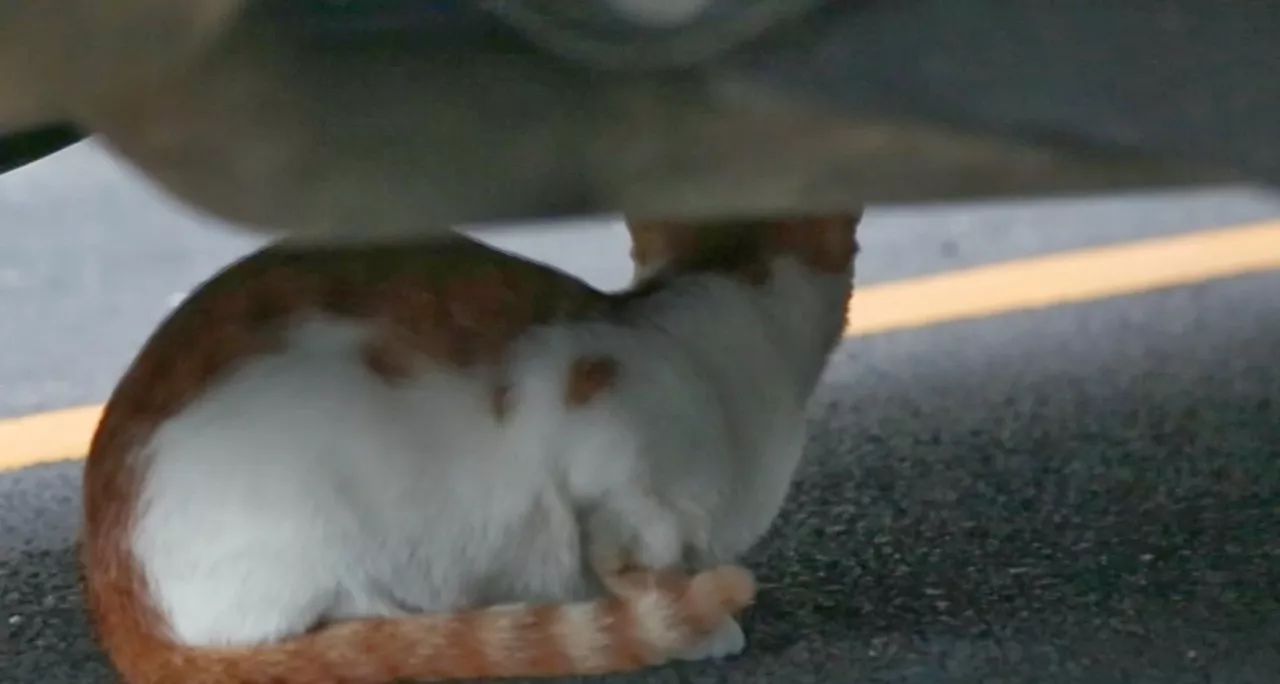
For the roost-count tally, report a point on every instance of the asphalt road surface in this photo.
(1087, 493)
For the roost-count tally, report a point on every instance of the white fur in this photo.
(728, 640)
(302, 487)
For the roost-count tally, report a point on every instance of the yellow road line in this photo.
(1065, 278)
(1039, 282)
(47, 437)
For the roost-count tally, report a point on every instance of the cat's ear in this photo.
(827, 242)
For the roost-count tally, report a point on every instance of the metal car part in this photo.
(355, 118)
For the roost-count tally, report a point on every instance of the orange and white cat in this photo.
(372, 463)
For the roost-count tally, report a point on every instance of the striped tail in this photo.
(652, 618)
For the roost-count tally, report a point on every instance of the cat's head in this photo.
(744, 248)
(799, 269)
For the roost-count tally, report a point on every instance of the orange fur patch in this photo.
(467, 650)
(745, 248)
(387, 359)
(826, 244)
(729, 248)
(546, 653)
(588, 377)
(628, 645)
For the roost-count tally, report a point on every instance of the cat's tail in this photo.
(651, 619)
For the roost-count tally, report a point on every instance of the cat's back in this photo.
(449, 304)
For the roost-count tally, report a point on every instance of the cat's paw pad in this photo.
(728, 640)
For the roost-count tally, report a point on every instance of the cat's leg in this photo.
(630, 533)
(635, 538)
(542, 558)
(728, 640)
(633, 530)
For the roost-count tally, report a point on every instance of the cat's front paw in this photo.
(728, 640)
(634, 532)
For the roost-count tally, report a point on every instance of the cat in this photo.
(438, 460)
